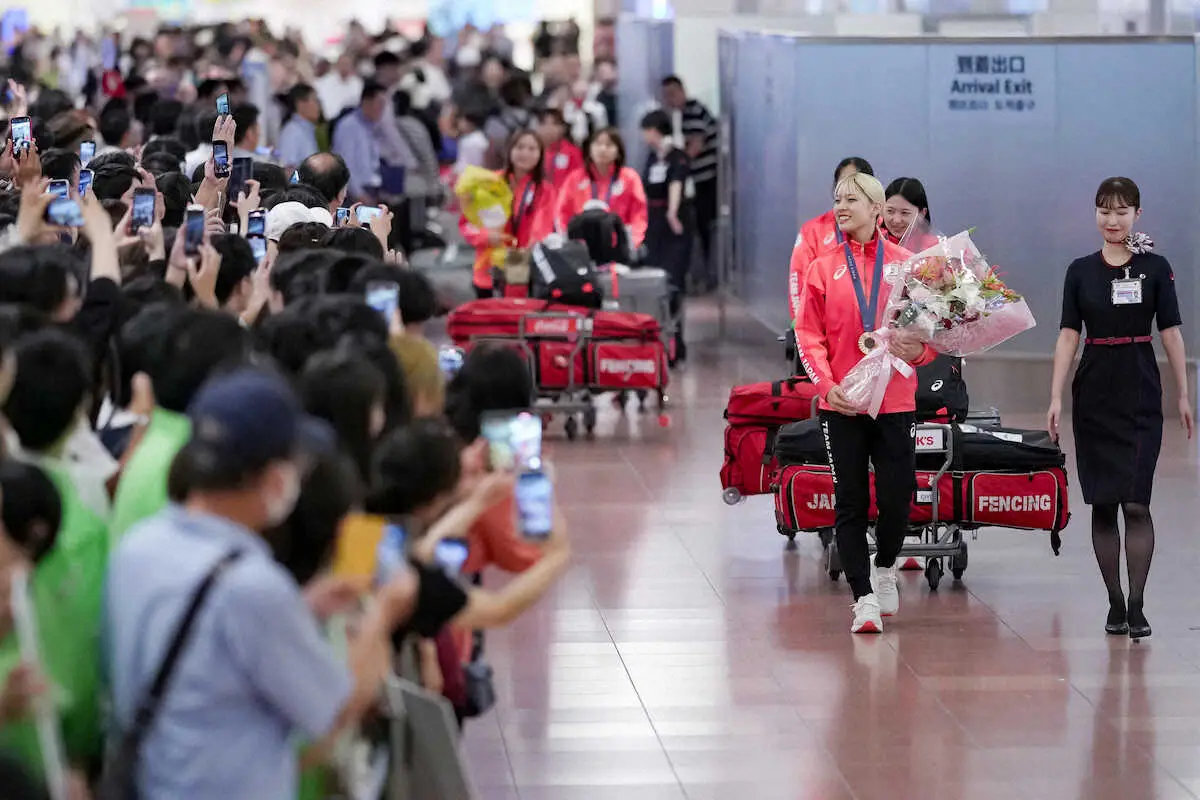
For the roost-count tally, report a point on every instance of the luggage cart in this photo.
(939, 539)
(638, 290)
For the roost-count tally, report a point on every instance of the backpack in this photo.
(941, 391)
(604, 234)
(563, 272)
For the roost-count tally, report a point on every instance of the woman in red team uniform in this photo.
(817, 235)
(841, 305)
(562, 156)
(907, 220)
(534, 206)
(605, 179)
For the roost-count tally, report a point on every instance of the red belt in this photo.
(1115, 340)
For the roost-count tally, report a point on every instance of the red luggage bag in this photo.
(754, 414)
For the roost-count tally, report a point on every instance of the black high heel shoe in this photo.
(1117, 623)
(1139, 627)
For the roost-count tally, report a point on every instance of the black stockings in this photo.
(1139, 549)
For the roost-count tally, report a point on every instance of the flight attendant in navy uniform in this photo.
(1114, 296)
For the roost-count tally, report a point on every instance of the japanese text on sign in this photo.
(1015, 83)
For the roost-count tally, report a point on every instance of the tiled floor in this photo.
(688, 655)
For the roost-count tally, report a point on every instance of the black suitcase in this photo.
(564, 273)
(801, 443)
(996, 449)
(604, 235)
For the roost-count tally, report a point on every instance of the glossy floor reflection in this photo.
(688, 655)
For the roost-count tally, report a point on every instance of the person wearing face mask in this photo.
(607, 181)
(253, 672)
(534, 204)
(1116, 295)
(840, 309)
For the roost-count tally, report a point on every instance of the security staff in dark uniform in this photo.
(671, 225)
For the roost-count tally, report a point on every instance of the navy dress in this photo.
(1117, 392)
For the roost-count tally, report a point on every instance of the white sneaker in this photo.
(866, 615)
(883, 581)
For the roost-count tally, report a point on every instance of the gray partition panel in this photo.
(646, 53)
(1010, 136)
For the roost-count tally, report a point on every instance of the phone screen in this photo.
(384, 297)
(60, 188)
(256, 223)
(221, 159)
(514, 440)
(22, 130)
(450, 555)
(193, 235)
(366, 213)
(258, 245)
(65, 213)
(85, 181)
(143, 209)
(223, 104)
(450, 360)
(535, 504)
(343, 214)
(87, 151)
(242, 171)
(392, 552)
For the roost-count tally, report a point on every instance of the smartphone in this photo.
(343, 214)
(21, 133)
(87, 151)
(223, 104)
(242, 171)
(144, 202)
(258, 245)
(450, 360)
(514, 439)
(85, 181)
(256, 223)
(535, 504)
(450, 555)
(220, 159)
(60, 188)
(392, 552)
(366, 213)
(65, 213)
(193, 232)
(384, 297)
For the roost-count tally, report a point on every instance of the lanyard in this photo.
(522, 207)
(608, 196)
(838, 233)
(865, 309)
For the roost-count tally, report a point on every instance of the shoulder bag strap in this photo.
(476, 635)
(148, 708)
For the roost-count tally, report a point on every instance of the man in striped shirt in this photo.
(697, 133)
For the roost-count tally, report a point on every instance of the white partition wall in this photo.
(646, 53)
(1010, 136)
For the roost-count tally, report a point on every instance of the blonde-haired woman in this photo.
(842, 302)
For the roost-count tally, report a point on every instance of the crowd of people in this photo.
(232, 460)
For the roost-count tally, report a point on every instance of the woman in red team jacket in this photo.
(534, 206)
(907, 220)
(842, 300)
(562, 155)
(818, 235)
(605, 179)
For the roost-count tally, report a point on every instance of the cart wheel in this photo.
(572, 428)
(826, 536)
(664, 420)
(589, 421)
(933, 573)
(833, 562)
(662, 399)
(641, 396)
(619, 399)
(732, 497)
(958, 562)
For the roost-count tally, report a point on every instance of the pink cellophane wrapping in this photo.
(948, 297)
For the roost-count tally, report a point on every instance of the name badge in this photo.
(1127, 292)
(658, 173)
(561, 161)
(618, 188)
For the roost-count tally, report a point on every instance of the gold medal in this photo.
(867, 343)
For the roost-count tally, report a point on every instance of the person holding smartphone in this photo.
(840, 310)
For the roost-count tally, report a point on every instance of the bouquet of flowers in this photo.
(947, 296)
(487, 202)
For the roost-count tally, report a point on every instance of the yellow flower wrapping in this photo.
(486, 201)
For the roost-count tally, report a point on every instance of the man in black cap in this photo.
(254, 670)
